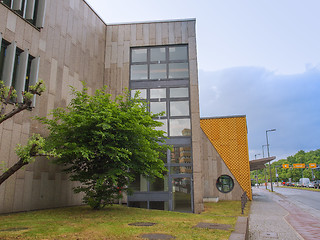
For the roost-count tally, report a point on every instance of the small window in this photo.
(164, 126)
(158, 184)
(158, 71)
(139, 72)
(225, 184)
(158, 107)
(178, 53)
(178, 70)
(157, 54)
(179, 92)
(142, 93)
(181, 154)
(139, 55)
(180, 127)
(158, 93)
(179, 108)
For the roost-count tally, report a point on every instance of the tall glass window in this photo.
(161, 74)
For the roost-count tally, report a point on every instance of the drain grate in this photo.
(269, 235)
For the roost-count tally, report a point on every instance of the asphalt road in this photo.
(308, 200)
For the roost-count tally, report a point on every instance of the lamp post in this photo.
(265, 171)
(271, 130)
(255, 157)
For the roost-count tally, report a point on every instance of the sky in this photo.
(259, 58)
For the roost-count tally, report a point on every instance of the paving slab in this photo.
(267, 219)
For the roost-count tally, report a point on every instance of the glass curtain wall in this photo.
(161, 75)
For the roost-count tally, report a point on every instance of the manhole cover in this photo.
(157, 236)
(13, 229)
(269, 235)
(213, 226)
(142, 224)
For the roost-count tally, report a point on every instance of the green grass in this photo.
(112, 223)
(302, 188)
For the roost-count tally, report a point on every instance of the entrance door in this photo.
(182, 194)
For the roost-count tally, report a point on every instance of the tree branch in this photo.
(12, 170)
(13, 112)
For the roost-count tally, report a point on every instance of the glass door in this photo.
(182, 194)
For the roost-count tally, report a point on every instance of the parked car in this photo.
(311, 185)
(304, 182)
(290, 184)
(316, 184)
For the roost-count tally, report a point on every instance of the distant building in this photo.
(64, 42)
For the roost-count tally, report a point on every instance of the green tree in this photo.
(105, 143)
(34, 147)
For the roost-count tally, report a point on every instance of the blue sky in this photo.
(259, 58)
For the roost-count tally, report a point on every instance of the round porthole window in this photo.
(225, 184)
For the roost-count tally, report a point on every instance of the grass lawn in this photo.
(302, 188)
(112, 223)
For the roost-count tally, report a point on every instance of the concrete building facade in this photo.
(64, 42)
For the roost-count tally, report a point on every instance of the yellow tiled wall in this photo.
(229, 136)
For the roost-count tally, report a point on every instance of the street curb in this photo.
(241, 230)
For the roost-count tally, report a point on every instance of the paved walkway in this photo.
(268, 219)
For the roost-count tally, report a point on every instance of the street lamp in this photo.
(271, 130)
(255, 157)
(265, 171)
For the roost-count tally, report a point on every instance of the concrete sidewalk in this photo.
(268, 218)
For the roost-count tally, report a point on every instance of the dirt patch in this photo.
(155, 236)
(213, 226)
(142, 224)
(13, 229)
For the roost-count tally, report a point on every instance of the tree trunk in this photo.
(12, 170)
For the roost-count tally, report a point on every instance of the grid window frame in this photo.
(32, 11)
(21, 72)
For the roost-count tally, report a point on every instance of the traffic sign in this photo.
(312, 165)
(299, 165)
(285, 165)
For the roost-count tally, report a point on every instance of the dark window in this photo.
(16, 68)
(7, 2)
(2, 55)
(225, 184)
(32, 11)
(138, 204)
(157, 205)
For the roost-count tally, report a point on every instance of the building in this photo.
(225, 157)
(64, 42)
